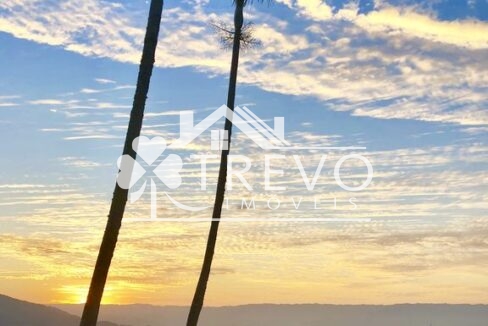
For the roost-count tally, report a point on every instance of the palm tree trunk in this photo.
(199, 296)
(119, 200)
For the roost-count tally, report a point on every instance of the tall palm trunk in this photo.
(199, 295)
(119, 200)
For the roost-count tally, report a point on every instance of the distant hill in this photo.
(299, 315)
(15, 312)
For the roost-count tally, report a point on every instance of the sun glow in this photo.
(76, 294)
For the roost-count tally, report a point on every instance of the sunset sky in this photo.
(407, 80)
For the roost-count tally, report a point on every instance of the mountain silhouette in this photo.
(298, 315)
(15, 312)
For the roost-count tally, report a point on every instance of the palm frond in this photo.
(226, 34)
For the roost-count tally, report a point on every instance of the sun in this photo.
(76, 294)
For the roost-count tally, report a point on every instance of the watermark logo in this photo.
(166, 169)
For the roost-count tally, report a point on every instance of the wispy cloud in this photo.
(8, 104)
(387, 21)
(51, 102)
(389, 63)
(104, 90)
(81, 162)
(7, 100)
(104, 81)
(93, 136)
(427, 203)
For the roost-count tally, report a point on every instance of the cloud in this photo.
(388, 20)
(8, 104)
(426, 224)
(93, 136)
(314, 9)
(105, 81)
(428, 204)
(116, 88)
(9, 97)
(391, 63)
(8, 100)
(81, 162)
(49, 102)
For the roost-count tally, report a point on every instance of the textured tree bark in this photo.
(119, 200)
(197, 303)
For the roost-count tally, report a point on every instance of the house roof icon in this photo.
(242, 118)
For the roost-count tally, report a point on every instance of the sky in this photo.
(406, 80)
